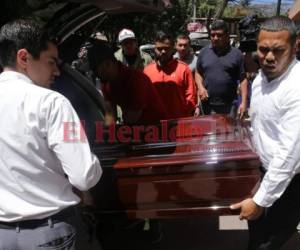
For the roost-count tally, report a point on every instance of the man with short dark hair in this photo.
(172, 78)
(220, 68)
(274, 210)
(129, 53)
(184, 52)
(40, 159)
(128, 88)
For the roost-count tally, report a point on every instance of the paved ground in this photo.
(199, 233)
(203, 233)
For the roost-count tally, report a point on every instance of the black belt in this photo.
(30, 224)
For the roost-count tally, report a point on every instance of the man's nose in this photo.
(56, 71)
(270, 56)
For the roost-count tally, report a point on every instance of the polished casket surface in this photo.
(185, 167)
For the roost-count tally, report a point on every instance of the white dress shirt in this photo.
(38, 166)
(275, 116)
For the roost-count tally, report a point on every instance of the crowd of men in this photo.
(39, 169)
(185, 84)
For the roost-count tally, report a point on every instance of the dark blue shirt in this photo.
(221, 72)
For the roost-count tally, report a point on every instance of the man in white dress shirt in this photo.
(274, 211)
(38, 166)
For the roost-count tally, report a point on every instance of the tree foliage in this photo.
(205, 7)
(245, 3)
(172, 20)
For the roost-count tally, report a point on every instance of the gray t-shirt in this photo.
(190, 60)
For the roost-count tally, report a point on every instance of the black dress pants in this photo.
(278, 222)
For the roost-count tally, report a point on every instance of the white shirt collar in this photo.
(7, 75)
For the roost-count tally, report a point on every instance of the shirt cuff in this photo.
(262, 199)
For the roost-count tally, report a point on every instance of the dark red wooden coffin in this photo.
(184, 167)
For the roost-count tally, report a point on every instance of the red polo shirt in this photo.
(176, 86)
(134, 91)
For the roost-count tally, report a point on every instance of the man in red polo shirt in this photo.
(172, 78)
(129, 88)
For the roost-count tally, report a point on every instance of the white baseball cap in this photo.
(125, 34)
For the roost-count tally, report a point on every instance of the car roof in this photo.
(76, 14)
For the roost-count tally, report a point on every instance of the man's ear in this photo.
(22, 58)
(295, 47)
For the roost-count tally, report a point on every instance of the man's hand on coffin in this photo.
(249, 210)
